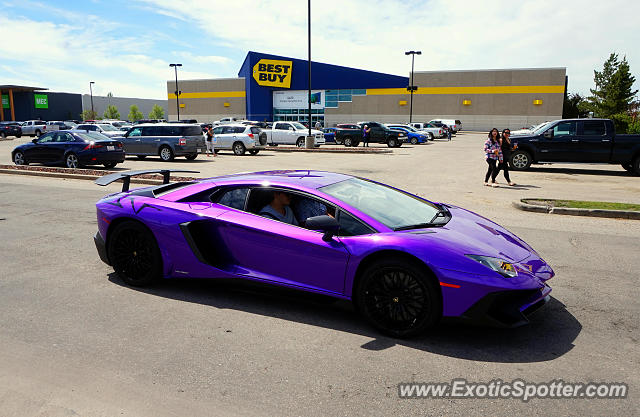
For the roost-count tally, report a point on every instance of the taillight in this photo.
(182, 141)
(92, 146)
(119, 145)
(251, 135)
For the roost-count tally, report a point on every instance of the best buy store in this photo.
(271, 87)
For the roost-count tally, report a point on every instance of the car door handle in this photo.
(575, 140)
(606, 140)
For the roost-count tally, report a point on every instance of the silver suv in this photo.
(166, 140)
(239, 138)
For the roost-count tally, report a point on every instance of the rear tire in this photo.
(110, 164)
(398, 297)
(38, 133)
(636, 166)
(134, 254)
(520, 161)
(348, 141)
(71, 160)
(3, 135)
(166, 154)
(191, 157)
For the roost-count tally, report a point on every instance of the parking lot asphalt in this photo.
(75, 340)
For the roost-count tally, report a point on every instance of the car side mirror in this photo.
(548, 134)
(327, 224)
(35, 140)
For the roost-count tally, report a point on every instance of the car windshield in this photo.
(298, 125)
(409, 128)
(541, 127)
(108, 128)
(395, 209)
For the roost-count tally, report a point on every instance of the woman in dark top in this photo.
(505, 145)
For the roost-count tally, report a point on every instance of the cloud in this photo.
(452, 35)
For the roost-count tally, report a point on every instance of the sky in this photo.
(126, 46)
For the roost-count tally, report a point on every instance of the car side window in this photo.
(135, 132)
(594, 128)
(46, 138)
(218, 130)
(227, 129)
(564, 129)
(282, 126)
(234, 198)
(350, 226)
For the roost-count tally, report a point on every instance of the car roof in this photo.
(235, 125)
(284, 178)
(166, 124)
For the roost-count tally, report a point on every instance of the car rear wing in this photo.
(126, 176)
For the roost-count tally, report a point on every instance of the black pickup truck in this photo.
(576, 140)
(379, 134)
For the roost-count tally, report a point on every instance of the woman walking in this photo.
(505, 146)
(493, 155)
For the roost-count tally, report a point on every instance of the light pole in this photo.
(412, 87)
(93, 113)
(175, 67)
(309, 60)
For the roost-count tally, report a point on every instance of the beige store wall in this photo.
(208, 100)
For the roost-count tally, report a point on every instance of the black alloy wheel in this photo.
(392, 143)
(520, 160)
(398, 298)
(348, 141)
(134, 254)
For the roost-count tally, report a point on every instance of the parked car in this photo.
(329, 134)
(442, 126)
(166, 140)
(10, 129)
(435, 131)
(106, 129)
(577, 140)
(227, 120)
(405, 262)
(33, 128)
(52, 126)
(454, 125)
(382, 134)
(526, 130)
(292, 133)
(239, 138)
(414, 137)
(348, 126)
(73, 148)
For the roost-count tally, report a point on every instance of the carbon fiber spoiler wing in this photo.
(125, 176)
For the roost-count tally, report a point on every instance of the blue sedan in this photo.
(412, 136)
(71, 148)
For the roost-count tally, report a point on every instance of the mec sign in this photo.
(272, 73)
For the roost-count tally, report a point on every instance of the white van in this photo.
(455, 125)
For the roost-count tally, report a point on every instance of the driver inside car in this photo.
(278, 208)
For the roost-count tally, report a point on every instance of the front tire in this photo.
(398, 298)
(239, 149)
(300, 143)
(392, 143)
(134, 254)
(19, 159)
(71, 161)
(520, 161)
(166, 154)
(414, 141)
(431, 137)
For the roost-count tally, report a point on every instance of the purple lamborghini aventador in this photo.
(404, 261)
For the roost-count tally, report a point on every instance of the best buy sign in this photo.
(42, 101)
(273, 73)
(5, 101)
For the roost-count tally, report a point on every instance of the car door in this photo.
(267, 249)
(38, 152)
(594, 141)
(150, 140)
(281, 133)
(377, 133)
(218, 138)
(559, 143)
(131, 141)
(59, 146)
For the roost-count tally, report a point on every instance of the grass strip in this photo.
(595, 205)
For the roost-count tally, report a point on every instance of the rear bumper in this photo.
(507, 308)
(101, 247)
(101, 158)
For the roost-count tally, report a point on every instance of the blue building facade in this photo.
(265, 73)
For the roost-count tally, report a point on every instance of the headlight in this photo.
(504, 268)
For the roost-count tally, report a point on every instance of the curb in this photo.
(611, 214)
(327, 150)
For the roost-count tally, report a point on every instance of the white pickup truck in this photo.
(291, 133)
(34, 128)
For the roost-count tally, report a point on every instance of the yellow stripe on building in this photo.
(210, 94)
(506, 89)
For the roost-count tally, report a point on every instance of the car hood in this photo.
(470, 234)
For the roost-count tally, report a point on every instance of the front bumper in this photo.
(101, 247)
(507, 308)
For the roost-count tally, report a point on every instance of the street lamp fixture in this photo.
(177, 92)
(93, 113)
(412, 87)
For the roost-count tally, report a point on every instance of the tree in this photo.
(156, 112)
(134, 113)
(88, 115)
(612, 93)
(111, 112)
(573, 107)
